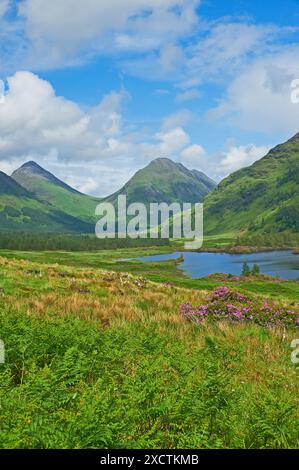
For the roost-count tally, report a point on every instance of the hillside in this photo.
(165, 181)
(10, 187)
(34, 200)
(47, 188)
(263, 198)
(99, 359)
(21, 211)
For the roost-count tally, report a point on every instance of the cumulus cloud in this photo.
(259, 98)
(194, 156)
(100, 151)
(34, 120)
(220, 164)
(239, 157)
(244, 58)
(172, 141)
(37, 124)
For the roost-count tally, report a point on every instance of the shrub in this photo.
(226, 304)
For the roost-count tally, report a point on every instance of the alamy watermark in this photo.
(2, 352)
(157, 220)
(295, 353)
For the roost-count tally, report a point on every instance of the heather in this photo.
(230, 305)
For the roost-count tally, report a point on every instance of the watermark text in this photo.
(157, 220)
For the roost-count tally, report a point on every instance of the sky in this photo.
(96, 89)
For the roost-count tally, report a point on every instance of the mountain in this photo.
(21, 211)
(10, 187)
(263, 198)
(47, 188)
(34, 200)
(165, 181)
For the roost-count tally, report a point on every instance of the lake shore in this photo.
(243, 249)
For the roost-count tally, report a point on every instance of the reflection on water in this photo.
(283, 264)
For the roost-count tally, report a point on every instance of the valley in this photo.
(128, 370)
(104, 349)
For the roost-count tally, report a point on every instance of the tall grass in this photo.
(99, 359)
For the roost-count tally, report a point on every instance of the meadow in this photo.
(99, 355)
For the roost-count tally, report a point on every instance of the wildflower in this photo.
(221, 292)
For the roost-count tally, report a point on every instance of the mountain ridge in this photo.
(164, 180)
(47, 188)
(21, 211)
(33, 199)
(34, 168)
(262, 198)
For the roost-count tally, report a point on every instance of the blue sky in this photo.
(95, 90)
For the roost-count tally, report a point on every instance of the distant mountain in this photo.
(33, 199)
(47, 188)
(21, 211)
(9, 186)
(165, 181)
(263, 198)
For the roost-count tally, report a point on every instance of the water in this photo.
(283, 264)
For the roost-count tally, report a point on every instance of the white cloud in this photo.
(194, 156)
(217, 51)
(188, 95)
(259, 98)
(239, 157)
(171, 58)
(165, 144)
(36, 124)
(179, 119)
(34, 120)
(227, 45)
(172, 141)
(89, 186)
(65, 31)
(95, 146)
(221, 164)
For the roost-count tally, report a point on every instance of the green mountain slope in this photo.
(10, 187)
(263, 198)
(47, 188)
(165, 181)
(21, 211)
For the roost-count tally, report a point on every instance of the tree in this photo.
(246, 270)
(255, 270)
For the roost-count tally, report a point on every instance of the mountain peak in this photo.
(32, 170)
(164, 180)
(31, 164)
(33, 167)
(162, 161)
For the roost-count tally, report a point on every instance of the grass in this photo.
(166, 271)
(100, 358)
(261, 200)
(75, 204)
